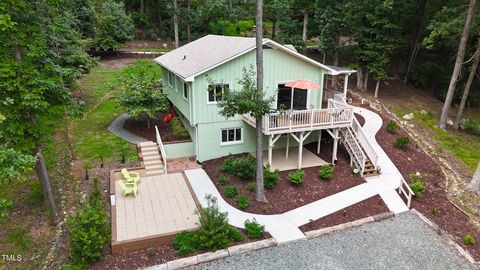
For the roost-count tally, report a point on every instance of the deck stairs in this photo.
(358, 155)
(150, 156)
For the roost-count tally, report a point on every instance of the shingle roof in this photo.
(203, 53)
(209, 51)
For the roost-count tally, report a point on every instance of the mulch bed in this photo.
(140, 128)
(286, 196)
(369, 207)
(158, 254)
(434, 203)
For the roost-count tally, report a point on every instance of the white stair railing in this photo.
(364, 142)
(407, 193)
(357, 154)
(161, 148)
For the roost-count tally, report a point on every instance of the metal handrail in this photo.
(162, 149)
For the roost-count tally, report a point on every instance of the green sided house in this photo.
(196, 74)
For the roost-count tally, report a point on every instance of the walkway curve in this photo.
(116, 127)
(284, 227)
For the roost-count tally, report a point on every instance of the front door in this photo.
(284, 97)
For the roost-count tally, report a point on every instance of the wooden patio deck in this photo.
(163, 207)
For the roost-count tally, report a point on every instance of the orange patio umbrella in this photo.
(301, 84)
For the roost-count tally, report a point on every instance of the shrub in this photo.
(243, 201)
(391, 127)
(70, 267)
(434, 210)
(468, 240)
(235, 235)
(326, 172)
(223, 180)
(471, 126)
(5, 206)
(178, 129)
(185, 242)
(270, 177)
(89, 230)
(245, 167)
(230, 192)
(296, 177)
(417, 185)
(214, 232)
(252, 186)
(253, 229)
(402, 142)
(227, 166)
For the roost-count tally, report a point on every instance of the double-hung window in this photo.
(216, 91)
(185, 91)
(170, 78)
(231, 136)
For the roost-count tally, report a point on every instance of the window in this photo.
(185, 91)
(232, 136)
(170, 78)
(216, 91)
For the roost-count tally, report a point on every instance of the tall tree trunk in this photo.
(189, 34)
(274, 28)
(365, 80)
(305, 29)
(324, 58)
(417, 40)
(260, 190)
(377, 86)
(474, 185)
(160, 33)
(142, 10)
(334, 78)
(458, 65)
(471, 76)
(359, 78)
(42, 174)
(175, 23)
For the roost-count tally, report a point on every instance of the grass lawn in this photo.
(464, 146)
(92, 139)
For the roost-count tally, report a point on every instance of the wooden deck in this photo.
(164, 206)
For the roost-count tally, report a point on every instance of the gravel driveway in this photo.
(403, 242)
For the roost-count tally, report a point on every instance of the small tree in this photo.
(247, 100)
(114, 26)
(140, 95)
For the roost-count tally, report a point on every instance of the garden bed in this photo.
(366, 208)
(285, 196)
(140, 128)
(434, 202)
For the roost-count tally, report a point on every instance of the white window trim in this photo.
(233, 142)
(188, 91)
(216, 102)
(169, 78)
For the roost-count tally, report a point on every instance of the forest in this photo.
(47, 47)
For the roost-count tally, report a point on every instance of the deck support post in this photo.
(319, 141)
(270, 147)
(288, 146)
(345, 86)
(335, 145)
(300, 149)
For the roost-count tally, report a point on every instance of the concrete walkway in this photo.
(284, 227)
(116, 127)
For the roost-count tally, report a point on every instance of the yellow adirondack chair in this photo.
(131, 177)
(128, 188)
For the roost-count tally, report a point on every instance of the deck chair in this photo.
(131, 177)
(128, 188)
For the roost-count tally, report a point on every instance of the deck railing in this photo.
(364, 142)
(352, 146)
(407, 193)
(162, 149)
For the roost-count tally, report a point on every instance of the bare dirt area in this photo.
(116, 62)
(149, 44)
(285, 196)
